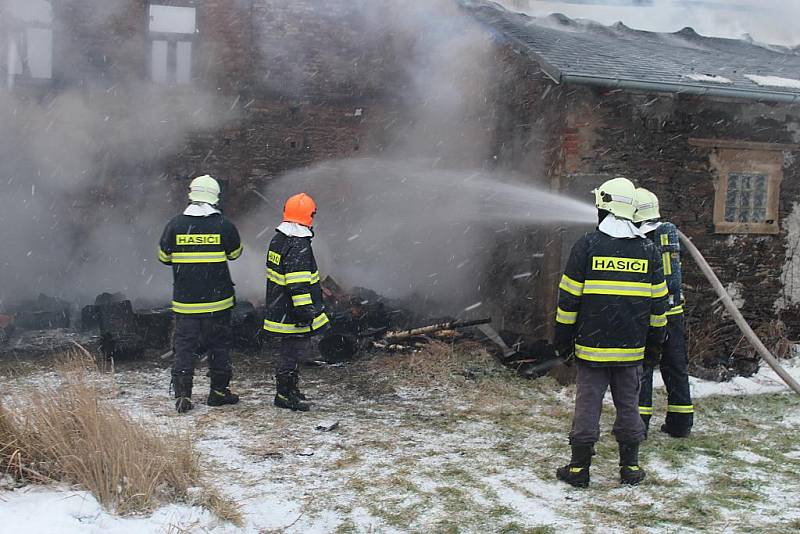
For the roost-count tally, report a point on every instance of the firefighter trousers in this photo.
(592, 384)
(197, 335)
(293, 351)
(675, 372)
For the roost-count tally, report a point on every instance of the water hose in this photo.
(737, 315)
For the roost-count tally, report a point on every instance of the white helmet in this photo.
(616, 196)
(646, 206)
(204, 189)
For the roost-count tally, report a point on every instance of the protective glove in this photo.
(652, 356)
(564, 342)
(565, 351)
(304, 316)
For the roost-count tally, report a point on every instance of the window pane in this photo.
(31, 11)
(158, 67)
(40, 52)
(731, 200)
(169, 19)
(14, 59)
(183, 73)
(746, 200)
(760, 199)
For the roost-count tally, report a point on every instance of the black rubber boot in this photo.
(676, 432)
(296, 385)
(182, 384)
(285, 397)
(630, 472)
(576, 472)
(220, 394)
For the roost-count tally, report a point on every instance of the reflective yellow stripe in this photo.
(302, 300)
(199, 257)
(285, 328)
(565, 317)
(617, 288)
(164, 257)
(298, 277)
(292, 278)
(677, 310)
(571, 286)
(594, 354)
(575, 469)
(275, 277)
(665, 239)
(658, 321)
(202, 307)
(667, 261)
(659, 290)
(677, 408)
(236, 253)
(645, 410)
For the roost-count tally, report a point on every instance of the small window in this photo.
(28, 44)
(747, 184)
(172, 36)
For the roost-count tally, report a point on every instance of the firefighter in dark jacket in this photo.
(295, 311)
(198, 245)
(674, 360)
(611, 305)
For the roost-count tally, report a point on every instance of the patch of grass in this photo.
(350, 459)
(499, 511)
(70, 434)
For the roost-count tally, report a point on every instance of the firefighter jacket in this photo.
(198, 249)
(294, 295)
(666, 237)
(612, 300)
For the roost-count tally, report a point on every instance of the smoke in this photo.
(84, 191)
(405, 227)
(424, 217)
(766, 21)
(83, 195)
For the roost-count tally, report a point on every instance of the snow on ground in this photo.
(764, 381)
(466, 448)
(64, 511)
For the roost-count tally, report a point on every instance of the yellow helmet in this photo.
(204, 189)
(646, 206)
(616, 196)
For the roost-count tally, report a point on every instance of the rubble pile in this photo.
(361, 321)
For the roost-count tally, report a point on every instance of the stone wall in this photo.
(647, 138)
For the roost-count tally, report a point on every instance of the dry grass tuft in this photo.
(435, 362)
(70, 434)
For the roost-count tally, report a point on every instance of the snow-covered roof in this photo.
(586, 52)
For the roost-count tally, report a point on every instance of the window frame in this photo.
(172, 39)
(12, 31)
(743, 157)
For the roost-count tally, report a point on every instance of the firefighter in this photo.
(674, 360)
(611, 305)
(198, 245)
(295, 311)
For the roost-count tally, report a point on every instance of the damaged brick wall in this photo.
(526, 113)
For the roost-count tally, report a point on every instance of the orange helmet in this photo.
(300, 209)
